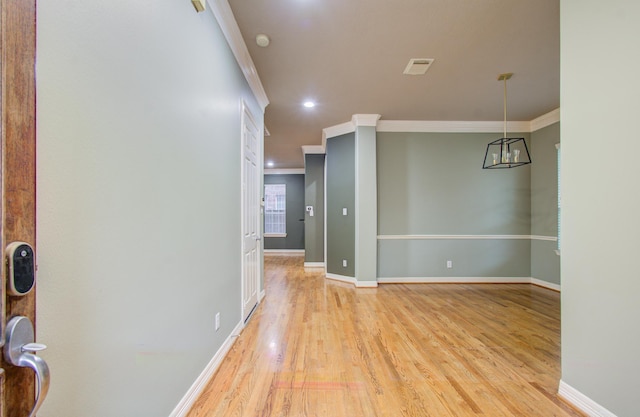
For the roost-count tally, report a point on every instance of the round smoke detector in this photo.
(262, 40)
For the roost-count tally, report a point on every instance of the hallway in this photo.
(317, 347)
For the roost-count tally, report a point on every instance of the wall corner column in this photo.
(366, 200)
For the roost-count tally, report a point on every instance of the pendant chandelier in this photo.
(506, 152)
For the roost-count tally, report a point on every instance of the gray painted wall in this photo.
(341, 194)
(545, 263)
(295, 212)
(433, 183)
(600, 201)
(314, 196)
(138, 203)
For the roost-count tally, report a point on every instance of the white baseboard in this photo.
(582, 402)
(352, 280)
(192, 394)
(455, 280)
(445, 280)
(284, 252)
(545, 284)
(470, 280)
(261, 295)
(336, 277)
(366, 284)
(314, 264)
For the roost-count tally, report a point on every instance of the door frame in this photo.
(18, 178)
(247, 114)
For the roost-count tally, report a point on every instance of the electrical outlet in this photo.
(449, 264)
(344, 263)
(217, 321)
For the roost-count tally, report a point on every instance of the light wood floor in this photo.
(317, 347)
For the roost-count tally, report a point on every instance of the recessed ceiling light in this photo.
(270, 163)
(309, 104)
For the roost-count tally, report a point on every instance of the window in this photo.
(275, 210)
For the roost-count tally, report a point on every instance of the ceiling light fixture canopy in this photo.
(506, 152)
(262, 40)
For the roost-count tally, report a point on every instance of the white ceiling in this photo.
(349, 55)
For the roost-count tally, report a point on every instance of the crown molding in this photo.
(283, 171)
(545, 120)
(337, 130)
(365, 119)
(313, 149)
(434, 126)
(437, 126)
(223, 14)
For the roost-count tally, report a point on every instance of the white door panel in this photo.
(251, 213)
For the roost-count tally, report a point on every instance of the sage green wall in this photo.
(471, 258)
(295, 212)
(434, 184)
(314, 196)
(600, 201)
(545, 263)
(340, 193)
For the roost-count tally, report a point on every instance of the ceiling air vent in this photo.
(418, 66)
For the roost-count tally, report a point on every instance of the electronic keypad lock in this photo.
(21, 268)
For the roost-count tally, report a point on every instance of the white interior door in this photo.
(250, 213)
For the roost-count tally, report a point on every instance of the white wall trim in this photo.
(545, 120)
(283, 171)
(342, 278)
(261, 296)
(284, 252)
(313, 149)
(454, 280)
(352, 280)
(314, 264)
(545, 238)
(465, 237)
(469, 280)
(446, 126)
(223, 14)
(337, 130)
(545, 284)
(196, 388)
(365, 119)
(366, 284)
(582, 402)
(435, 126)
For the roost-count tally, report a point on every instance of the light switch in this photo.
(344, 211)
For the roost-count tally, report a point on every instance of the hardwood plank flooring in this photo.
(317, 347)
